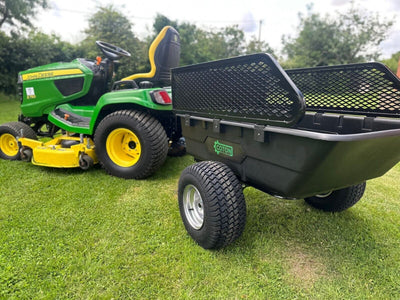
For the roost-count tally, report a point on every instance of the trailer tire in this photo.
(131, 144)
(9, 132)
(211, 204)
(338, 200)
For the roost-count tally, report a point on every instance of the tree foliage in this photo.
(257, 46)
(20, 11)
(200, 45)
(111, 26)
(320, 40)
(348, 37)
(19, 52)
(393, 61)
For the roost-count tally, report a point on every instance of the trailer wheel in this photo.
(130, 144)
(9, 147)
(211, 204)
(338, 200)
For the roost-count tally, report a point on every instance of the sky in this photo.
(269, 19)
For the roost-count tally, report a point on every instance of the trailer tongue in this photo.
(316, 133)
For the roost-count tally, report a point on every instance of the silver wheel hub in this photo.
(193, 206)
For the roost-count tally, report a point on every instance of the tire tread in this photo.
(154, 134)
(226, 203)
(15, 128)
(338, 200)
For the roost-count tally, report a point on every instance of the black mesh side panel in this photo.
(69, 86)
(251, 88)
(367, 89)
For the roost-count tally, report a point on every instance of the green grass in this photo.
(86, 235)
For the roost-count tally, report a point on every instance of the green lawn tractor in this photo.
(127, 127)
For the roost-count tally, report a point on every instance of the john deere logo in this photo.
(223, 149)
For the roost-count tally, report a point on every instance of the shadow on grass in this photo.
(172, 167)
(286, 227)
(271, 223)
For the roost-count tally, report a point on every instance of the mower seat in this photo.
(164, 54)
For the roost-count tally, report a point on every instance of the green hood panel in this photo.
(45, 87)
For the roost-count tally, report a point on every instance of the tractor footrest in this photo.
(70, 118)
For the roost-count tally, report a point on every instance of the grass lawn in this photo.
(67, 233)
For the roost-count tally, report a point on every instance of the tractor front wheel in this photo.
(9, 147)
(131, 144)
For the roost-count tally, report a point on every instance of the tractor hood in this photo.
(53, 70)
(43, 88)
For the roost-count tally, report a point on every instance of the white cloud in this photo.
(249, 23)
(339, 2)
(391, 45)
(395, 4)
(55, 9)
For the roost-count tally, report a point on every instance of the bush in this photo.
(21, 52)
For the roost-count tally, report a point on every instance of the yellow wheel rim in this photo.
(8, 144)
(123, 147)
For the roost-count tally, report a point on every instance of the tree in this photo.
(257, 46)
(21, 52)
(20, 11)
(161, 21)
(393, 62)
(350, 37)
(234, 39)
(199, 45)
(111, 26)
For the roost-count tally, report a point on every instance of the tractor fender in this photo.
(123, 99)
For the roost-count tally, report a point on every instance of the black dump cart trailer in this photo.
(316, 134)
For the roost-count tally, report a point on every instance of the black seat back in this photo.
(164, 54)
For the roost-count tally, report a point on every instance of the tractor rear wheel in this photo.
(9, 147)
(131, 144)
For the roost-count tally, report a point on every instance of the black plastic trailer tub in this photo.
(293, 163)
(316, 133)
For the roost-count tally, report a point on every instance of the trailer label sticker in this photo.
(30, 93)
(223, 149)
(220, 148)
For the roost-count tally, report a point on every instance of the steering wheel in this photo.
(112, 52)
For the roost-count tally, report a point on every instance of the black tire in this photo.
(85, 162)
(26, 154)
(338, 200)
(137, 158)
(218, 200)
(9, 147)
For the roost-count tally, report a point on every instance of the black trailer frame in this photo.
(298, 133)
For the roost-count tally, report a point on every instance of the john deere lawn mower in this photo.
(128, 127)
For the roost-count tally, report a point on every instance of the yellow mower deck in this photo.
(57, 153)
